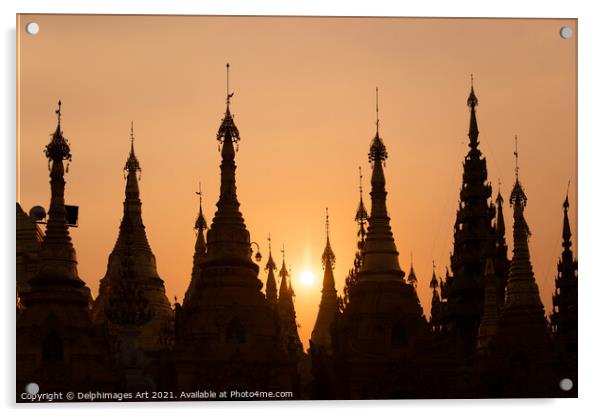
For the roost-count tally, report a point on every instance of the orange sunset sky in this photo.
(304, 105)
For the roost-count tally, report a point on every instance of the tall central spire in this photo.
(474, 242)
(228, 239)
(58, 264)
(380, 253)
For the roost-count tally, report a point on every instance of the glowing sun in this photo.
(307, 278)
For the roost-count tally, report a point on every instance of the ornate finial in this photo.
(565, 205)
(200, 223)
(199, 193)
(132, 165)
(58, 148)
(228, 94)
(361, 214)
(227, 129)
(516, 156)
(518, 195)
(361, 176)
(58, 113)
(284, 271)
(271, 265)
(472, 101)
(377, 119)
(378, 151)
(566, 228)
(328, 254)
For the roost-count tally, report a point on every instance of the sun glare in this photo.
(307, 278)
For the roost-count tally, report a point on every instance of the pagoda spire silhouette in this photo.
(361, 218)
(380, 256)
(520, 352)
(383, 319)
(436, 306)
(271, 291)
(329, 307)
(474, 238)
(200, 248)
(564, 316)
(286, 309)
(55, 336)
(132, 293)
(501, 261)
(227, 330)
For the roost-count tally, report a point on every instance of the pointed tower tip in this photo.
(132, 165)
(201, 223)
(472, 101)
(328, 254)
(378, 150)
(228, 132)
(361, 215)
(565, 205)
(58, 149)
(58, 112)
(270, 265)
(518, 196)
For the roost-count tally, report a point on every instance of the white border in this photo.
(590, 136)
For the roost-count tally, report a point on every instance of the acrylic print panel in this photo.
(278, 208)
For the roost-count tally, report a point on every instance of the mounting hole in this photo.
(566, 384)
(32, 388)
(566, 32)
(32, 28)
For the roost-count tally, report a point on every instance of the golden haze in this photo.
(304, 103)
